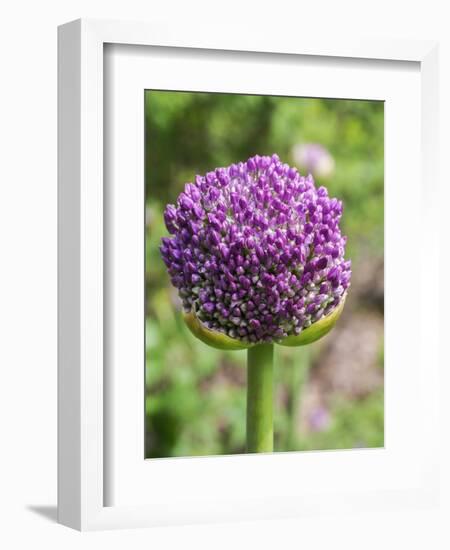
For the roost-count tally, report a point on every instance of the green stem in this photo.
(260, 399)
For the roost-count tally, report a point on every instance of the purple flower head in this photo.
(256, 251)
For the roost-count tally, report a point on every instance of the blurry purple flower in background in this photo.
(313, 158)
(256, 251)
(319, 419)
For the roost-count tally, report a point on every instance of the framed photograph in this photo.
(246, 325)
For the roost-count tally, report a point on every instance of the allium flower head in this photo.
(256, 251)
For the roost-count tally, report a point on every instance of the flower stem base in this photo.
(260, 399)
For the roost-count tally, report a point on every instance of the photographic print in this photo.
(264, 274)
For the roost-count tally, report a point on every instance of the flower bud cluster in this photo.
(256, 250)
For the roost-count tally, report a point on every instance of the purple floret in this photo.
(256, 251)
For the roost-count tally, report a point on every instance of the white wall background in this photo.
(28, 272)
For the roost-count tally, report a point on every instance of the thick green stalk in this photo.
(260, 399)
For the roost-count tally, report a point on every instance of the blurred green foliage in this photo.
(195, 401)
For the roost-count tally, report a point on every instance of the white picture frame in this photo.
(84, 396)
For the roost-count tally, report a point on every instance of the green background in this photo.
(327, 396)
